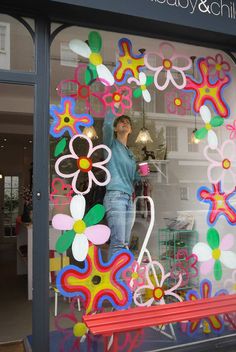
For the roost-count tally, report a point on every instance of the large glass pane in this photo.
(179, 134)
(16, 157)
(16, 43)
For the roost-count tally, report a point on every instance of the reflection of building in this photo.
(25, 56)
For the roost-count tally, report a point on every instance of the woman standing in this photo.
(122, 166)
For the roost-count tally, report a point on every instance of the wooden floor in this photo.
(12, 347)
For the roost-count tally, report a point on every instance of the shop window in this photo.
(16, 44)
(4, 45)
(172, 138)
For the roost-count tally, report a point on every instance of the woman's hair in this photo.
(121, 118)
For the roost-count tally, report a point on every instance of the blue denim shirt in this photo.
(122, 165)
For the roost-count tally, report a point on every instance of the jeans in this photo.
(119, 214)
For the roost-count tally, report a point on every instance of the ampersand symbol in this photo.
(206, 8)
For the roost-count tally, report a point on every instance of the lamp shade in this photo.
(144, 136)
(194, 140)
(90, 132)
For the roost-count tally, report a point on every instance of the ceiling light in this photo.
(143, 135)
(90, 132)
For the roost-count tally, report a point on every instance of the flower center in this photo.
(234, 287)
(96, 279)
(226, 164)
(220, 200)
(83, 91)
(95, 59)
(135, 275)
(79, 226)
(207, 90)
(116, 97)
(167, 64)
(79, 329)
(216, 253)
(158, 293)
(208, 126)
(143, 87)
(66, 119)
(84, 164)
(218, 67)
(178, 101)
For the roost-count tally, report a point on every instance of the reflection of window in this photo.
(67, 56)
(4, 45)
(11, 204)
(192, 147)
(172, 139)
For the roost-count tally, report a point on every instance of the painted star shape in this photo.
(128, 63)
(219, 204)
(65, 119)
(97, 281)
(205, 90)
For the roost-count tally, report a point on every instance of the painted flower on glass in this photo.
(91, 51)
(61, 194)
(66, 120)
(230, 284)
(219, 203)
(128, 63)
(82, 164)
(232, 128)
(80, 229)
(222, 165)
(159, 289)
(142, 82)
(98, 281)
(77, 88)
(169, 63)
(217, 67)
(207, 130)
(76, 332)
(135, 275)
(215, 322)
(206, 90)
(178, 102)
(185, 265)
(122, 95)
(215, 253)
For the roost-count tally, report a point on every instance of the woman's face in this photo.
(123, 126)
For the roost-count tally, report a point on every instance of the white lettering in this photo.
(186, 4)
(222, 8)
(193, 5)
(172, 4)
(211, 7)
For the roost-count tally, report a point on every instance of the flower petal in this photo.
(217, 121)
(228, 258)
(217, 270)
(98, 234)
(202, 251)
(65, 241)
(205, 113)
(200, 134)
(95, 41)
(146, 96)
(227, 242)
(95, 215)
(77, 207)
(62, 222)
(80, 247)
(212, 139)
(138, 293)
(105, 74)
(142, 78)
(79, 47)
(213, 238)
(207, 266)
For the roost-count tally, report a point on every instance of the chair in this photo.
(56, 264)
